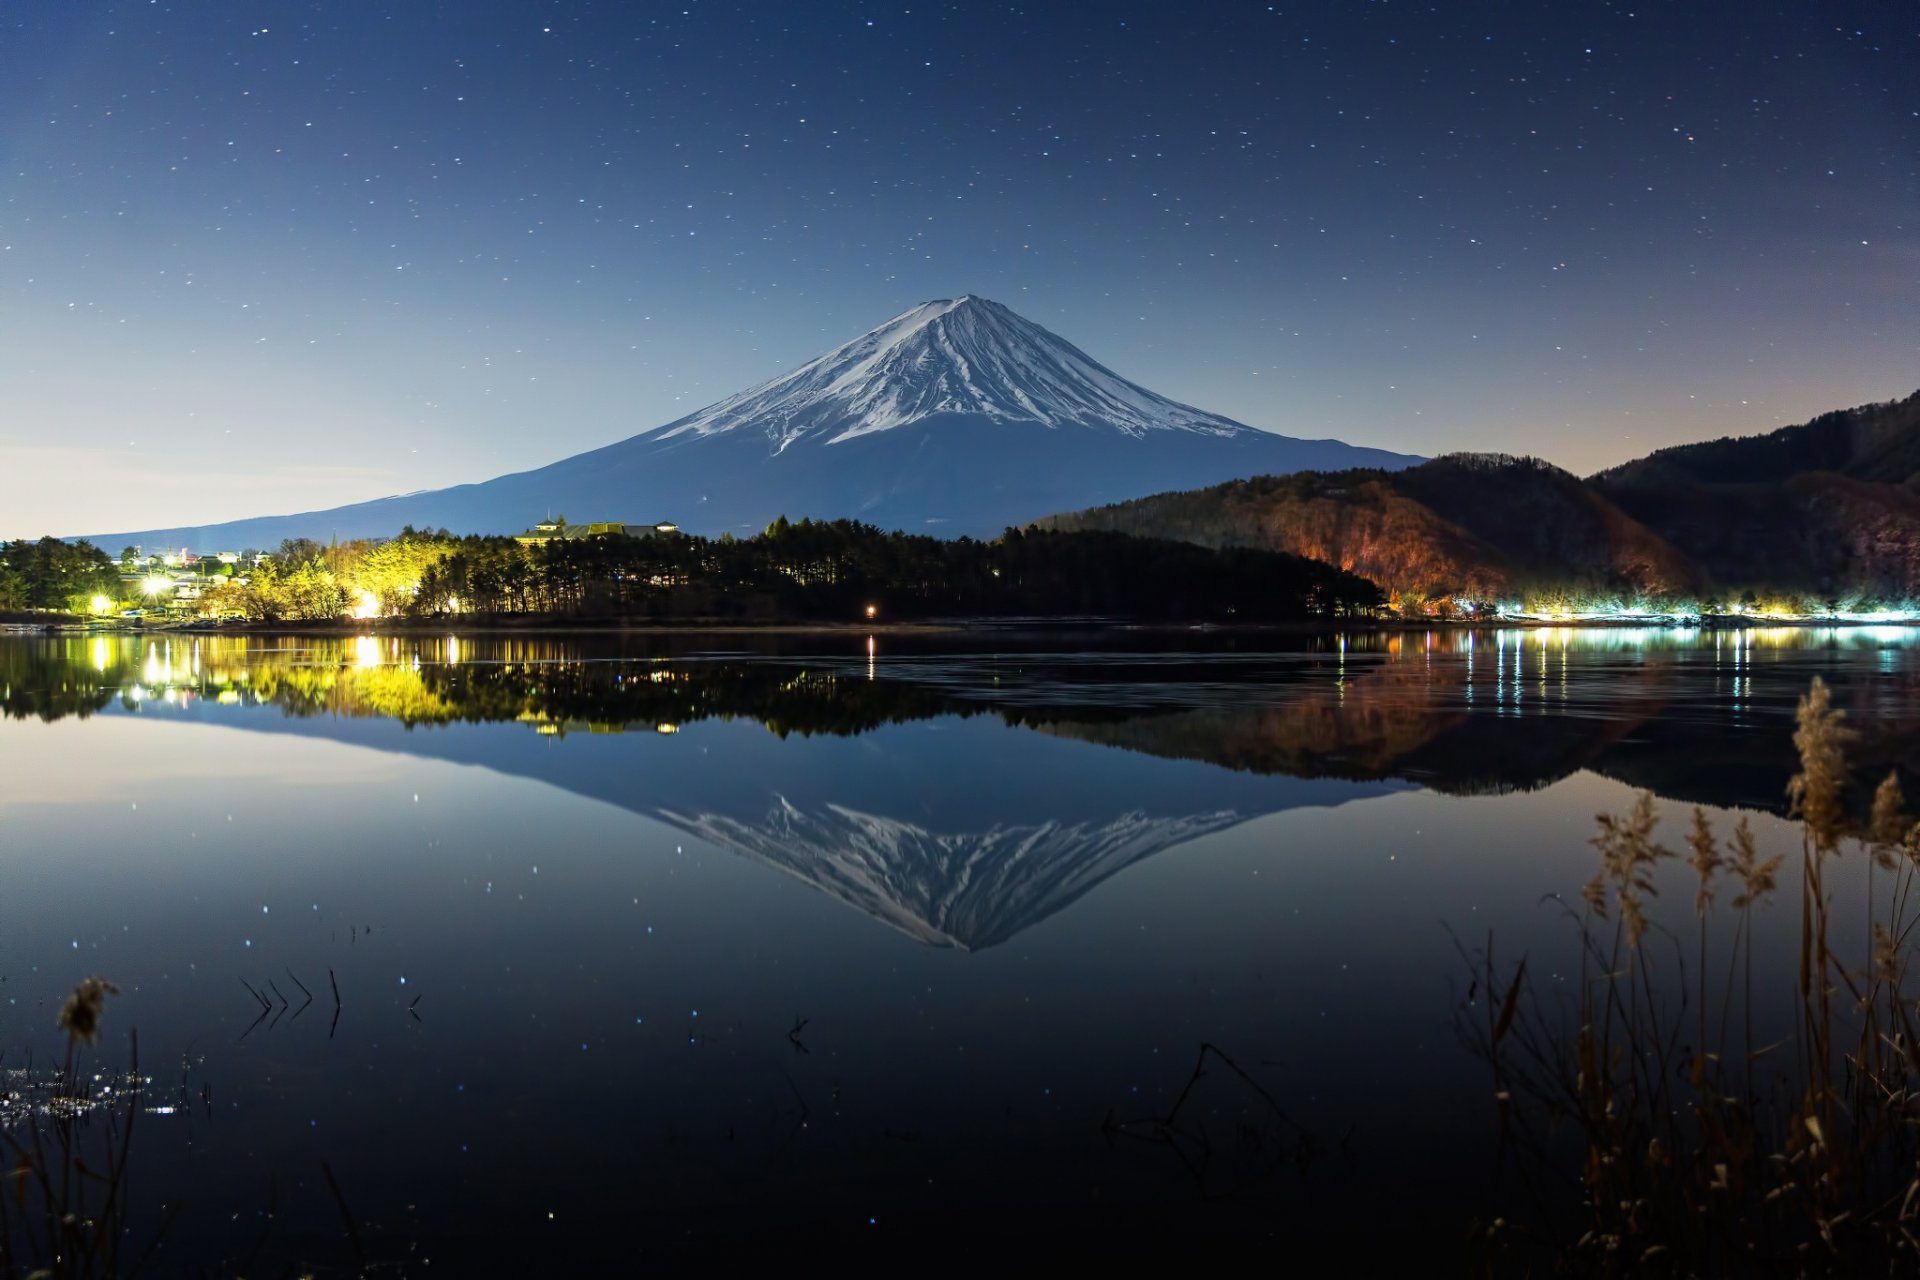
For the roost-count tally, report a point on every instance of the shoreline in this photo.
(16, 625)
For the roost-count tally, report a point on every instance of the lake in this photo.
(533, 953)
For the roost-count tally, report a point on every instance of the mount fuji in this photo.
(955, 417)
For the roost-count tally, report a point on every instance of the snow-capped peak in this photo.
(962, 356)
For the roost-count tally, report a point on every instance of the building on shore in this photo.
(559, 529)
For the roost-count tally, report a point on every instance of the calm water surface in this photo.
(668, 950)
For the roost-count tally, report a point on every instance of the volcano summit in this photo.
(956, 417)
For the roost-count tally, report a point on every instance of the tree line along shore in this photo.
(793, 571)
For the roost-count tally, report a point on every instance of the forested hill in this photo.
(1830, 507)
(837, 569)
(1874, 442)
(1822, 515)
(1468, 526)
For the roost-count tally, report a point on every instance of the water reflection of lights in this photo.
(1524, 670)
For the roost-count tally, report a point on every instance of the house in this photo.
(558, 529)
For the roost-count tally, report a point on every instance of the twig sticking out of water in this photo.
(303, 991)
(256, 1022)
(1194, 1146)
(346, 1218)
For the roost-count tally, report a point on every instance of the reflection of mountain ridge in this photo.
(1647, 728)
(964, 889)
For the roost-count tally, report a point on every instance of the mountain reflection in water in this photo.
(970, 860)
(555, 1006)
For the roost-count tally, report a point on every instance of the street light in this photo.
(872, 609)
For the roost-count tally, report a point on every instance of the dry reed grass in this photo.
(63, 1207)
(1650, 1131)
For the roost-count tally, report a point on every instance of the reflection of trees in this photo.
(392, 693)
(544, 683)
(33, 687)
(1517, 716)
(787, 700)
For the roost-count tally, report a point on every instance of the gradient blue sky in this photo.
(260, 257)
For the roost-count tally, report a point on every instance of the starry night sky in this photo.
(258, 257)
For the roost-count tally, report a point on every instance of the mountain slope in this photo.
(1828, 508)
(966, 356)
(1473, 526)
(1878, 442)
(955, 417)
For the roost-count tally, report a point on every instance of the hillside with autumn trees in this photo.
(1464, 528)
(1819, 517)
